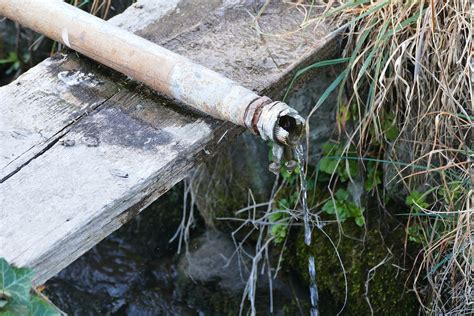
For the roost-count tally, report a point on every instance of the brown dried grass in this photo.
(410, 63)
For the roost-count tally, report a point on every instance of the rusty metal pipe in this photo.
(157, 67)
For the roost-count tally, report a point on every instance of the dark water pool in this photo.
(135, 271)
(132, 272)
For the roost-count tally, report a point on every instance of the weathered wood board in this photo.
(84, 149)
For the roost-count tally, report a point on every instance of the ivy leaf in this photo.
(274, 217)
(330, 148)
(415, 234)
(279, 231)
(374, 177)
(353, 168)
(3, 303)
(15, 286)
(40, 307)
(11, 59)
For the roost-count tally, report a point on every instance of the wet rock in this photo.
(70, 299)
(375, 267)
(7, 37)
(151, 303)
(212, 258)
(213, 279)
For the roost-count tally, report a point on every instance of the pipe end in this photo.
(277, 122)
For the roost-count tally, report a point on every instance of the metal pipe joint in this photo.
(278, 123)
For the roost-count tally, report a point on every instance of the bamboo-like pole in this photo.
(157, 67)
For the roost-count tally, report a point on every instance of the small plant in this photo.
(343, 208)
(333, 162)
(15, 293)
(416, 201)
(279, 228)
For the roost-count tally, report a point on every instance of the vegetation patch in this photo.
(15, 293)
(403, 143)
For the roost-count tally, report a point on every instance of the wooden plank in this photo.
(95, 172)
(40, 106)
(43, 103)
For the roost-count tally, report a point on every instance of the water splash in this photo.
(313, 287)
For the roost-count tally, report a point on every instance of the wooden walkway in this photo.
(83, 149)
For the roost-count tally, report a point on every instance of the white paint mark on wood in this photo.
(74, 78)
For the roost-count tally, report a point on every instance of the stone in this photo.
(214, 278)
(212, 258)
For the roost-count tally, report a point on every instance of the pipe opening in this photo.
(289, 130)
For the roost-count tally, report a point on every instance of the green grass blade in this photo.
(301, 72)
(346, 5)
(329, 90)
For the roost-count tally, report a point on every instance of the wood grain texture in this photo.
(79, 159)
(42, 104)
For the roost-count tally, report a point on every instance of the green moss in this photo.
(360, 253)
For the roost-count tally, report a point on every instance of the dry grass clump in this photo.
(408, 84)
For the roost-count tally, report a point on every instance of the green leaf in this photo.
(342, 195)
(279, 231)
(283, 203)
(15, 286)
(416, 201)
(330, 148)
(301, 72)
(347, 169)
(391, 133)
(40, 307)
(360, 221)
(374, 177)
(415, 234)
(11, 59)
(274, 217)
(329, 207)
(15, 298)
(328, 165)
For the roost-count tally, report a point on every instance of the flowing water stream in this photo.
(313, 288)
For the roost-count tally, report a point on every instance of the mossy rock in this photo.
(222, 185)
(375, 254)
